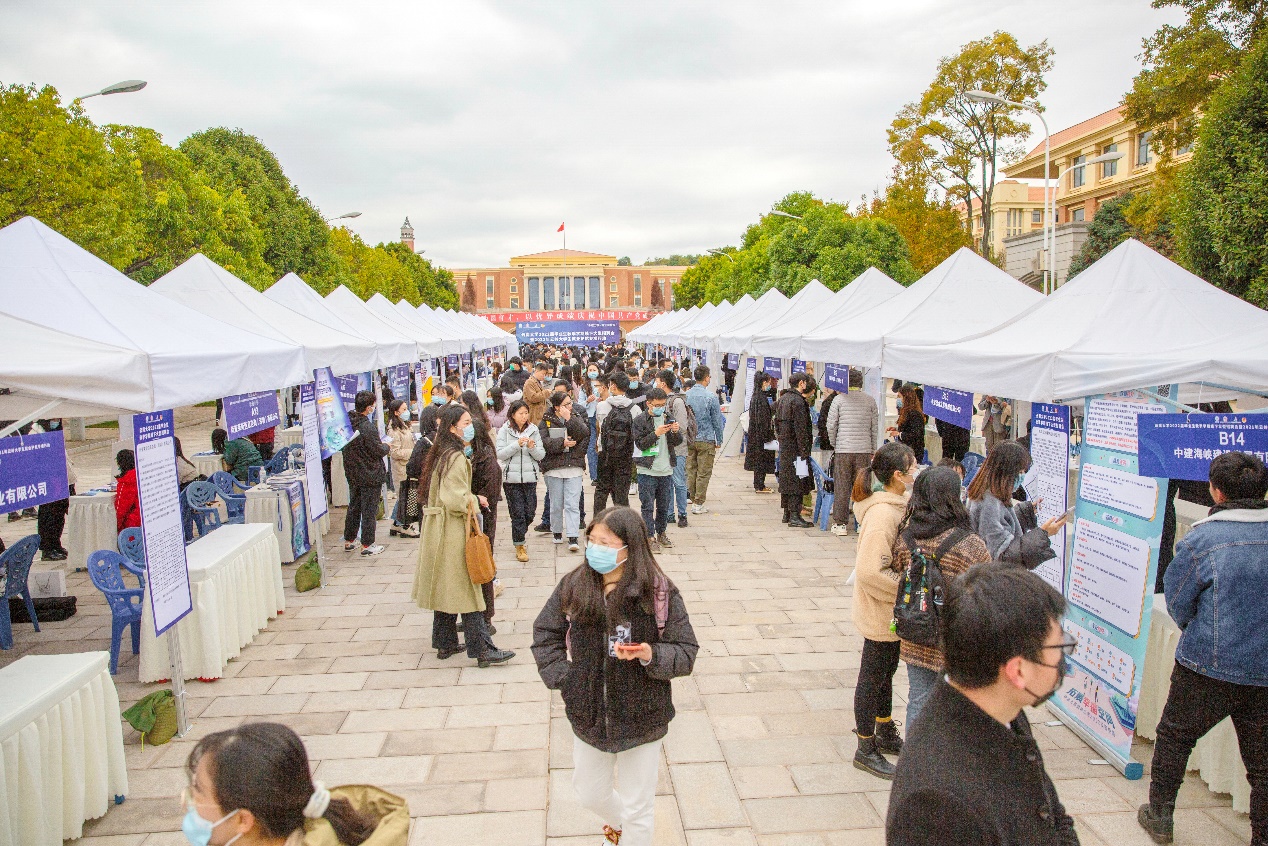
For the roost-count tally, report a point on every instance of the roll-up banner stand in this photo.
(314, 479)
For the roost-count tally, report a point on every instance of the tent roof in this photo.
(813, 296)
(50, 281)
(868, 289)
(710, 335)
(297, 295)
(651, 331)
(1131, 320)
(207, 287)
(366, 320)
(964, 295)
(428, 340)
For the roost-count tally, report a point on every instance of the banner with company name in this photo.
(248, 413)
(570, 332)
(949, 406)
(1181, 446)
(836, 377)
(774, 367)
(539, 316)
(32, 470)
(398, 381)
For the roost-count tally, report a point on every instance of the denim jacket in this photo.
(1217, 592)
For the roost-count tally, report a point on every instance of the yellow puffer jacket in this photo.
(391, 812)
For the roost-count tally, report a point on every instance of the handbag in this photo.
(408, 497)
(480, 566)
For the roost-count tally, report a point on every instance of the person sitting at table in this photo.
(263, 441)
(127, 507)
(235, 455)
(252, 785)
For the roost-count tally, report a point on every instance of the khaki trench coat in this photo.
(441, 582)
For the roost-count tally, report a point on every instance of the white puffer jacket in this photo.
(853, 423)
(519, 463)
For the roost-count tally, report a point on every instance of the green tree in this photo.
(429, 285)
(1185, 64)
(931, 227)
(623, 261)
(958, 143)
(1222, 205)
(675, 260)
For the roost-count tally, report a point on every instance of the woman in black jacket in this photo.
(566, 437)
(757, 458)
(911, 421)
(796, 439)
(610, 638)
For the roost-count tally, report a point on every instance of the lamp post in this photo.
(344, 216)
(779, 213)
(1048, 229)
(125, 87)
(1062, 171)
(726, 256)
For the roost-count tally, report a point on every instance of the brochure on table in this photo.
(32, 470)
(249, 413)
(313, 476)
(1109, 585)
(334, 427)
(158, 489)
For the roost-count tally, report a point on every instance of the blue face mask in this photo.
(198, 830)
(405, 414)
(657, 412)
(1021, 477)
(633, 383)
(602, 559)
(898, 403)
(468, 432)
(468, 451)
(438, 399)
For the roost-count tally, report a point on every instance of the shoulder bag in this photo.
(480, 566)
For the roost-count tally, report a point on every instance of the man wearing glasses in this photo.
(971, 771)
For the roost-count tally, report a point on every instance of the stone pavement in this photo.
(760, 752)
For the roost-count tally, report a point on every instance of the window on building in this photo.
(1036, 217)
(638, 287)
(534, 293)
(638, 299)
(1077, 172)
(614, 301)
(514, 290)
(489, 301)
(515, 302)
(612, 287)
(1185, 150)
(578, 292)
(596, 292)
(1143, 153)
(1077, 216)
(548, 292)
(565, 292)
(1013, 224)
(1109, 169)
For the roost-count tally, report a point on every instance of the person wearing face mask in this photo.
(366, 474)
(795, 434)
(1009, 528)
(441, 581)
(252, 786)
(910, 427)
(971, 771)
(610, 638)
(879, 513)
(997, 420)
(399, 449)
(761, 431)
(657, 435)
(427, 416)
(594, 393)
(566, 436)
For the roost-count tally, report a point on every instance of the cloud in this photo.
(650, 127)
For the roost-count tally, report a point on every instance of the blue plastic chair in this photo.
(824, 498)
(285, 459)
(132, 547)
(105, 568)
(233, 494)
(16, 563)
(972, 462)
(201, 497)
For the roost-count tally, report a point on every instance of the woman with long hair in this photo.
(910, 427)
(399, 450)
(875, 588)
(441, 582)
(610, 638)
(520, 451)
(495, 407)
(761, 431)
(486, 484)
(127, 506)
(252, 784)
(1009, 528)
(937, 524)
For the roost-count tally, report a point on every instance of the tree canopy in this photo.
(675, 260)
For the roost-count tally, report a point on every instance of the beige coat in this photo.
(536, 397)
(441, 582)
(875, 581)
(391, 812)
(399, 451)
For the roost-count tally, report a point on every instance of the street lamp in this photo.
(779, 213)
(726, 256)
(344, 216)
(1048, 229)
(125, 87)
(1062, 171)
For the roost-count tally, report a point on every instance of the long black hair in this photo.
(998, 474)
(479, 416)
(126, 460)
(393, 421)
(935, 504)
(582, 594)
(495, 394)
(446, 448)
(893, 457)
(263, 768)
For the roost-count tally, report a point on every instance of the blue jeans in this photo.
(565, 507)
(680, 486)
(592, 452)
(920, 683)
(656, 495)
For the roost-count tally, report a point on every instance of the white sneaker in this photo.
(699, 509)
(840, 529)
(372, 550)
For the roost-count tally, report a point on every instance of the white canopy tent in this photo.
(296, 295)
(1131, 320)
(448, 336)
(654, 331)
(707, 338)
(963, 295)
(783, 339)
(51, 282)
(351, 308)
(814, 297)
(207, 287)
(429, 342)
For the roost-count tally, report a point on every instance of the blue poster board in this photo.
(254, 412)
(949, 406)
(836, 377)
(398, 381)
(798, 366)
(586, 333)
(332, 414)
(773, 367)
(347, 388)
(1181, 446)
(32, 470)
(732, 361)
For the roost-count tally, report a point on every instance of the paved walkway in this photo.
(759, 753)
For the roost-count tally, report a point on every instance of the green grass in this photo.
(105, 424)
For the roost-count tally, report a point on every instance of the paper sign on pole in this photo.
(32, 470)
(1181, 446)
(248, 413)
(955, 407)
(158, 489)
(334, 427)
(315, 481)
(1048, 479)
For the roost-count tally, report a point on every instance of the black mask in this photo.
(1060, 668)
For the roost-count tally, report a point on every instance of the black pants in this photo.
(759, 480)
(444, 632)
(546, 509)
(363, 508)
(521, 502)
(791, 503)
(1194, 706)
(874, 692)
(50, 521)
(614, 482)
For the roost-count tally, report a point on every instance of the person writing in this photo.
(1009, 528)
(237, 455)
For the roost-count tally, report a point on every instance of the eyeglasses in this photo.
(1067, 646)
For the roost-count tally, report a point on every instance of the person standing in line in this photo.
(701, 452)
(495, 407)
(610, 638)
(853, 429)
(427, 416)
(536, 393)
(565, 437)
(795, 434)
(441, 581)
(910, 427)
(875, 588)
(595, 393)
(1009, 528)
(400, 447)
(676, 408)
(823, 439)
(363, 466)
(971, 771)
(997, 420)
(1215, 590)
(486, 484)
(615, 418)
(520, 450)
(656, 434)
(761, 431)
(515, 377)
(937, 523)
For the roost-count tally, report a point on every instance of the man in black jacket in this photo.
(795, 433)
(971, 771)
(366, 472)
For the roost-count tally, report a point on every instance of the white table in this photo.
(265, 505)
(1216, 757)
(90, 526)
(61, 747)
(288, 437)
(235, 578)
(338, 482)
(207, 462)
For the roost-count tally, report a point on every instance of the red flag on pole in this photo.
(561, 228)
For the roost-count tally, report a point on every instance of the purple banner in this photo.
(247, 413)
(798, 366)
(949, 406)
(836, 377)
(732, 361)
(398, 381)
(347, 388)
(773, 367)
(32, 470)
(1181, 446)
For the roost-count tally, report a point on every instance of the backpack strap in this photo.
(957, 534)
(660, 593)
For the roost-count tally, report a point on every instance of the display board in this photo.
(333, 425)
(398, 381)
(314, 478)
(347, 387)
(158, 491)
(424, 382)
(955, 407)
(1048, 480)
(732, 361)
(750, 374)
(32, 470)
(773, 367)
(836, 377)
(799, 366)
(248, 413)
(1181, 446)
(585, 333)
(1110, 577)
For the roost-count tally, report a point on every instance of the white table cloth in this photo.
(338, 482)
(265, 505)
(288, 437)
(61, 747)
(1216, 757)
(235, 579)
(90, 526)
(207, 462)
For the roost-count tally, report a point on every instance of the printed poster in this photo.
(955, 407)
(33, 470)
(158, 489)
(836, 377)
(1048, 481)
(333, 425)
(1181, 446)
(248, 413)
(314, 479)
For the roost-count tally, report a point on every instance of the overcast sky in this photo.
(649, 127)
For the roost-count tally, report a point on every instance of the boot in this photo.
(887, 737)
(1157, 821)
(795, 521)
(521, 552)
(785, 519)
(869, 759)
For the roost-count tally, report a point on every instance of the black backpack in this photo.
(921, 592)
(617, 437)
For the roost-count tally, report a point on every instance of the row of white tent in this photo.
(79, 331)
(1131, 320)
